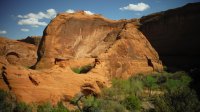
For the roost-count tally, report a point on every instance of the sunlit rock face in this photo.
(119, 47)
(18, 53)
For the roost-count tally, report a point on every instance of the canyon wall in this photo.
(175, 34)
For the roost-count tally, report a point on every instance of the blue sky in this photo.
(17, 15)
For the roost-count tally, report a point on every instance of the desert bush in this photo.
(23, 107)
(151, 83)
(60, 108)
(47, 107)
(136, 86)
(110, 106)
(91, 104)
(180, 100)
(132, 103)
(6, 103)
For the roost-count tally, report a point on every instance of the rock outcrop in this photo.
(18, 53)
(50, 85)
(120, 48)
(79, 54)
(175, 34)
(35, 40)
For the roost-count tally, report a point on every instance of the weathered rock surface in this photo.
(35, 40)
(120, 48)
(175, 34)
(50, 85)
(92, 45)
(18, 53)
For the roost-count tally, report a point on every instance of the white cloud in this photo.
(136, 7)
(89, 12)
(33, 19)
(70, 11)
(73, 11)
(32, 22)
(25, 30)
(3, 32)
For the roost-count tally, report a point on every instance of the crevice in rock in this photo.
(33, 81)
(124, 27)
(88, 89)
(149, 62)
(12, 53)
(5, 79)
(57, 60)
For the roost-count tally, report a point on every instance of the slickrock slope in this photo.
(92, 45)
(175, 34)
(51, 85)
(35, 40)
(119, 47)
(18, 53)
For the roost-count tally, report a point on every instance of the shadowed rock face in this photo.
(35, 40)
(119, 46)
(18, 53)
(175, 34)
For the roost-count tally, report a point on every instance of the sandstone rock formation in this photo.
(18, 53)
(120, 48)
(175, 34)
(80, 53)
(35, 40)
(51, 85)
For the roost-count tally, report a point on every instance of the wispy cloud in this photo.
(73, 11)
(136, 7)
(3, 32)
(34, 19)
(25, 30)
(37, 19)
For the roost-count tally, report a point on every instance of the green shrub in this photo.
(6, 103)
(136, 86)
(91, 104)
(46, 107)
(22, 107)
(60, 108)
(110, 106)
(180, 100)
(132, 103)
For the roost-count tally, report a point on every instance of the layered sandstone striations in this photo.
(175, 34)
(120, 48)
(18, 53)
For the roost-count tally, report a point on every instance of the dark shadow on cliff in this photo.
(175, 36)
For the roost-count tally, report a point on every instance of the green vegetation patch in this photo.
(83, 69)
(157, 92)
